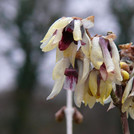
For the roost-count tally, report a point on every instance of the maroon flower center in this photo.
(67, 36)
(71, 78)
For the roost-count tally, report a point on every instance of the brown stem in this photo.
(116, 97)
(124, 122)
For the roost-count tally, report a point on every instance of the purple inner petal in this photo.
(67, 36)
(103, 72)
(71, 78)
(105, 46)
(83, 43)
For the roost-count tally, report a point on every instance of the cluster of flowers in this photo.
(89, 66)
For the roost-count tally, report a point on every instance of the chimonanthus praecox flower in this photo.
(105, 58)
(69, 36)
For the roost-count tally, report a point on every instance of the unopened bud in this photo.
(77, 117)
(60, 114)
(124, 66)
(125, 75)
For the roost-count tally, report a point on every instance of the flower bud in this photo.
(125, 75)
(60, 114)
(124, 66)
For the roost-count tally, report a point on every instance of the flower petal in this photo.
(92, 101)
(88, 22)
(79, 90)
(59, 54)
(63, 22)
(59, 68)
(109, 87)
(106, 55)
(70, 83)
(127, 90)
(86, 48)
(103, 72)
(58, 36)
(77, 31)
(131, 113)
(70, 53)
(49, 46)
(102, 90)
(86, 69)
(116, 60)
(57, 88)
(60, 23)
(93, 82)
(96, 53)
(126, 104)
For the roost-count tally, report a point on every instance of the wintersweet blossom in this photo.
(70, 38)
(128, 98)
(67, 34)
(105, 57)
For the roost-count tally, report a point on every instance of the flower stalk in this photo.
(69, 111)
(124, 121)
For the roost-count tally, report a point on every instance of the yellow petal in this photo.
(88, 22)
(70, 53)
(57, 88)
(92, 101)
(46, 42)
(59, 54)
(60, 23)
(63, 22)
(103, 90)
(116, 60)
(86, 69)
(109, 88)
(93, 82)
(96, 53)
(58, 36)
(79, 90)
(50, 45)
(86, 49)
(86, 94)
(88, 99)
(59, 68)
(78, 94)
(127, 89)
(77, 32)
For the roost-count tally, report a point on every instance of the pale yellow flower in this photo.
(105, 57)
(68, 34)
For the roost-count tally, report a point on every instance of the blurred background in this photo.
(25, 71)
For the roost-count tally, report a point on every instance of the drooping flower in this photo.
(67, 34)
(105, 57)
(128, 98)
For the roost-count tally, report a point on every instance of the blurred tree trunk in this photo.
(27, 77)
(124, 12)
(27, 74)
